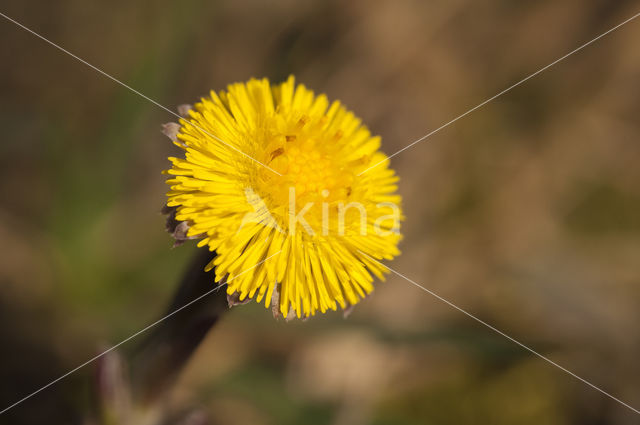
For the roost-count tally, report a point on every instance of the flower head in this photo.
(273, 179)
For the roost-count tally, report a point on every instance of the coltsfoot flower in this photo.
(290, 191)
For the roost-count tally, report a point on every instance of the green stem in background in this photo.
(132, 388)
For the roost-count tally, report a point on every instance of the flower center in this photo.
(310, 174)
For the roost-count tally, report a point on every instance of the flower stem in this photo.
(158, 360)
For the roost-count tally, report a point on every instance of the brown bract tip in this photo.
(171, 130)
(346, 312)
(183, 110)
(177, 229)
(234, 299)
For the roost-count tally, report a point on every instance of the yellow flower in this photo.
(274, 176)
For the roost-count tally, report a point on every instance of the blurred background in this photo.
(526, 213)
